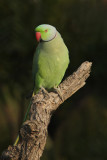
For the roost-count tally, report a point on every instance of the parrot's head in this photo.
(45, 32)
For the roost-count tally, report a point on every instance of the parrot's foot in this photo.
(58, 91)
(45, 91)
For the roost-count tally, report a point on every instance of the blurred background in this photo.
(78, 129)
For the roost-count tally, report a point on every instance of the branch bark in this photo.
(33, 133)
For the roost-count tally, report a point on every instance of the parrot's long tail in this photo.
(28, 109)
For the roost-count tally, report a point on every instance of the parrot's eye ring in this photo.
(46, 30)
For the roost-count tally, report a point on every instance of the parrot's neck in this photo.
(51, 39)
(57, 38)
(55, 44)
(57, 35)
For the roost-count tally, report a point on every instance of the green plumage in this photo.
(50, 63)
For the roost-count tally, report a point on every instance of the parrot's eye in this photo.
(46, 30)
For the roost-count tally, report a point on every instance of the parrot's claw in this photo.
(45, 91)
(58, 91)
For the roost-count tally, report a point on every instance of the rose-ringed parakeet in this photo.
(50, 60)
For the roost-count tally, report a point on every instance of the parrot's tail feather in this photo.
(17, 139)
(27, 111)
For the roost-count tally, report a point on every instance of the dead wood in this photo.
(33, 133)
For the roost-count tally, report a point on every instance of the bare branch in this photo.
(33, 133)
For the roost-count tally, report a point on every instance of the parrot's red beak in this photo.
(38, 36)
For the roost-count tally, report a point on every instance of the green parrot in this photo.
(50, 60)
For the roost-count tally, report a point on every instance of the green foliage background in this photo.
(78, 129)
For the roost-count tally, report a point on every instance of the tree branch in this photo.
(33, 133)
